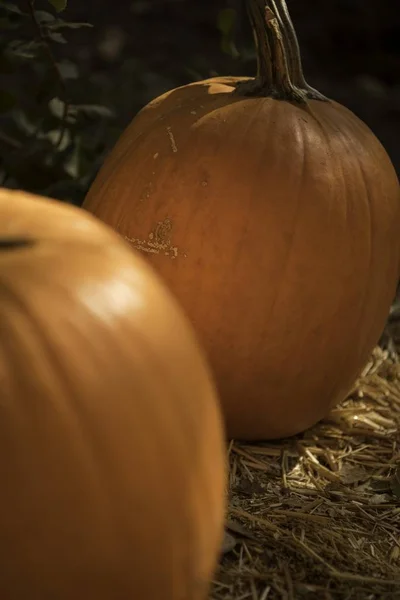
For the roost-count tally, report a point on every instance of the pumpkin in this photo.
(112, 457)
(273, 214)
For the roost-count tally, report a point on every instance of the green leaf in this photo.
(57, 109)
(56, 37)
(44, 17)
(226, 21)
(22, 49)
(23, 123)
(72, 166)
(67, 69)
(59, 24)
(7, 101)
(10, 7)
(54, 135)
(58, 5)
(95, 110)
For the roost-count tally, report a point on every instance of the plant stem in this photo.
(293, 49)
(292, 44)
(279, 67)
(262, 39)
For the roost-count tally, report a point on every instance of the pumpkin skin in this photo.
(277, 228)
(111, 441)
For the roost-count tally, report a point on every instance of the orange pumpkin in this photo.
(112, 457)
(273, 214)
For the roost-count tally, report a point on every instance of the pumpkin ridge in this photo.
(111, 437)
(279, 271)
(364, 303)
(41, 337)
(170, 112)
(291, 244)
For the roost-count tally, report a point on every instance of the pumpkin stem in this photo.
(279, 72)
(293, 50)
(15, 243)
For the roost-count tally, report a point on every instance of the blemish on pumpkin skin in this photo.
(162, 231)
(145, 195)
(174, 147)
(158, 241)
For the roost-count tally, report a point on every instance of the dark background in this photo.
(140, 48)
(137, 49)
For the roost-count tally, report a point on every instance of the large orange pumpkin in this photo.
(273, 214)
(112, 459)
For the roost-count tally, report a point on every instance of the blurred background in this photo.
(68, 89)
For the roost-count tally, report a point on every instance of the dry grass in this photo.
(318, 516)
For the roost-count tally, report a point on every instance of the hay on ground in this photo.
(318, 516)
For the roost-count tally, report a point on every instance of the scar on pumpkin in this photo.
(174, 147)
(158, 241)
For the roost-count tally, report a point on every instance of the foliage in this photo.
(53, 130)
(226, 25)
(51, 135)
(231, 22)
